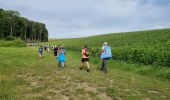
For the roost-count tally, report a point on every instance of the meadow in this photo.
(24, 76)
(139, 69)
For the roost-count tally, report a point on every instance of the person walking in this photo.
(55, 51)
(45, 48)
(85, 59)
(48, 48)
(40, 50)
(106, 54)
(62, 57)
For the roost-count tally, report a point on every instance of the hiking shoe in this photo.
(88, 70)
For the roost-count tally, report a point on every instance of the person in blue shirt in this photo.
(106, 54)
(62, 57)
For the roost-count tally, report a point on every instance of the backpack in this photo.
(107, 52)
(40, 49)
(62, 51)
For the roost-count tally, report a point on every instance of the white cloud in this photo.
(77, 18)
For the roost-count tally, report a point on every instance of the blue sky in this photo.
(81, 18)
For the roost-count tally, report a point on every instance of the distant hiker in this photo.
(52, 48)
(55, 51)
(85, 58)
(62, 57)
(48, 49)
(40, 50)
(106, 54)
(45, 48)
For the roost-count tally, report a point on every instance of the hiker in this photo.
(61, 57)
(45, 48)
(55, 51)
(106, 54)
(48, 49)
(85, 59)
(40, 50)
(52, 48)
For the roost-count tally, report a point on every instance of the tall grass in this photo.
(15, 43)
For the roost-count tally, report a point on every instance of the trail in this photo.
(71, 83)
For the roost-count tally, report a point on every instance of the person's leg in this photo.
(59, 63)
(39, 55)
(62, 64)
(88, 67)
(102, 65)
(82, 66)
(105, 66)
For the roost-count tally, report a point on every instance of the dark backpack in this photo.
(40, 49)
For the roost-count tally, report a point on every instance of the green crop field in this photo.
(145, 47)
(139, 69)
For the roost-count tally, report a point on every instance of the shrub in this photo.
(10, 38)
(16, 43)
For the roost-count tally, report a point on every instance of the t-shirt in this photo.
(55, 49)
(62, 56)
(106, 52)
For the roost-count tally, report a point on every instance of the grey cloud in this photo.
(77, 18)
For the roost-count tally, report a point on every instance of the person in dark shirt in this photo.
(40, 50)
(55, 51)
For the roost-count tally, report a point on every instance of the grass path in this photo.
(23, 76)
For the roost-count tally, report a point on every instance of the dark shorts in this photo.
(85, 59)
(55, 53)
(106, 58)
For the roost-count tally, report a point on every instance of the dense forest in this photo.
(13, 26)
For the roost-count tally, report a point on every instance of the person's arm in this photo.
(102, 50)
(83, 52)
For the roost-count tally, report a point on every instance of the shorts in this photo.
(40, 53)
(85, 59)
(106, 58)
(55, 53)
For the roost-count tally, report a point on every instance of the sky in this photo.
(82, 18)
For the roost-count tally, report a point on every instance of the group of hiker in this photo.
(58, 51)
(60, 54)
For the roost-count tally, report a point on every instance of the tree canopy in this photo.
(13, 26)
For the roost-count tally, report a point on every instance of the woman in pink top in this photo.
(85, 58)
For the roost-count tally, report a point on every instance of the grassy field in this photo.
(23, 76)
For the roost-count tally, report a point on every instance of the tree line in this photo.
(13, 26)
